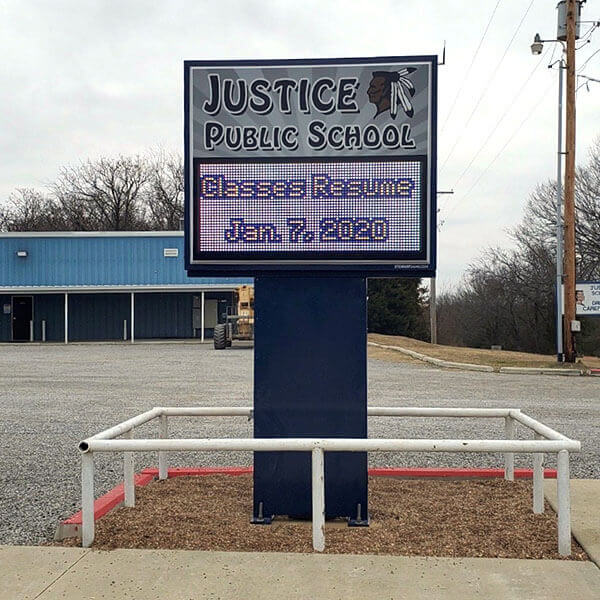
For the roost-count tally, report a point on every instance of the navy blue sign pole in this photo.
(310, 380)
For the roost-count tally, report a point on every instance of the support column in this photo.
(202, 317)
(66, 318)
(132, 317)
(310, 380)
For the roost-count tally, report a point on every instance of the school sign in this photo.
(311, 166)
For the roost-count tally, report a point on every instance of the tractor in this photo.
(239, 325)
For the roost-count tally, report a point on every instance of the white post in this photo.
(43, 331)
(538, 480)
(87, 499)
(509, 457)
(318, 499)
(559, 222)
(124, 329)
(163, 433)
(128, 471)
(132, 317)
(202, 317)
(564, 504)
(66, 318)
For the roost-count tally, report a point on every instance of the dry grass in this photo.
(487, 518)
(481, 356)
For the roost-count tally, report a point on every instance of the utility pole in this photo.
(569, 219)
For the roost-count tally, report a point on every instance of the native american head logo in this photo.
(388, 89)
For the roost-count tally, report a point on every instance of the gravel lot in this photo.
(52, 396)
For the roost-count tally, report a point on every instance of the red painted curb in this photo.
(454, 472)
(106, 503)
(111, 499)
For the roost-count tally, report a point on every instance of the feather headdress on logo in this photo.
(401, 90)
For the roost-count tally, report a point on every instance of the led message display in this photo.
(337, 208)
(315, 165)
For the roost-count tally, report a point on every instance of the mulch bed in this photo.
(476, 518)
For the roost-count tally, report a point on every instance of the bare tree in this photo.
(31, 210)
(165, 191)
(508, 296)
(105, 194)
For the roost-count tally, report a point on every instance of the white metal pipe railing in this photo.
(546, 440)
(372, 411)
(121, 428)
(327, 444)
(564, 503)
(87, 500)
(162, 456)
(509, 457)
(538, 480)
(129, 474)
(318, 499)
(205, 411)
(536, 426)
(416, 411)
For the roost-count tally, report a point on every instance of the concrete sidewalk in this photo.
(50, 573)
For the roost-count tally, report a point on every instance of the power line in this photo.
(588, 60)
(470, 67)
(585, 38)
(586, 82)
(501, 119)
(510, 139)
(487, 85)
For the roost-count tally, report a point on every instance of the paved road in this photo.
(51, 396)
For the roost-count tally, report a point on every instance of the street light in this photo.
(536, 49)
(538, 45)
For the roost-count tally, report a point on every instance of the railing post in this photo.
(318, 499)
(509, 457)
(163, 433)
(128, 473)
(563, 485)
(87, 499)
(538, 479)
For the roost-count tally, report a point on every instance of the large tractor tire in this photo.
(220, 337)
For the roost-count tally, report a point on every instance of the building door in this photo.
(210, 313)
(22, 315)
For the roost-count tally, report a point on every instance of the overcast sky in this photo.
(81, 79)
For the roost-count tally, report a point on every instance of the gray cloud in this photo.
(80, 80)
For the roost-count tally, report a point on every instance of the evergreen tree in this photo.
(397, 307)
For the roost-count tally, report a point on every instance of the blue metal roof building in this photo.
(71, 286)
